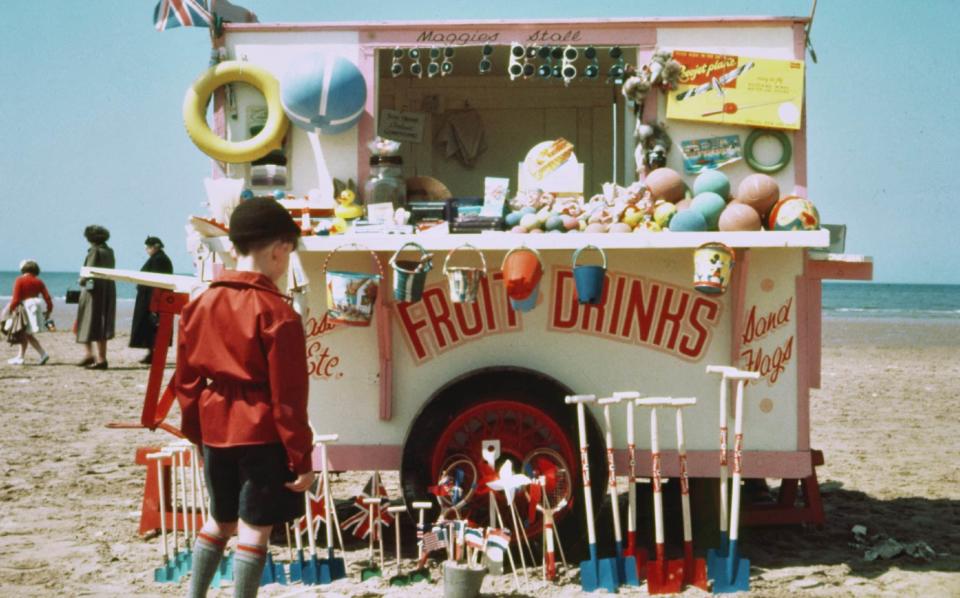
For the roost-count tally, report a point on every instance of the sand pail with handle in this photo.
(351, 296)
(409, 276)
(525, 304)
(712, 267)
(464, 281)
(522, 271)
(589, 279)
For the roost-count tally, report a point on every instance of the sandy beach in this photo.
(885, 420)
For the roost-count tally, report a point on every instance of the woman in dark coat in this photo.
(97, 310)
(144, 328)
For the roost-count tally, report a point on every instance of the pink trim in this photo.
(814, 321)
(738, 299)
(828, 270)
(384, 316)
(800, 137)
(805, 358)
(700, 464)
(366, 128)
(742, 21)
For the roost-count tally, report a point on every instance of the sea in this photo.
(841, 300)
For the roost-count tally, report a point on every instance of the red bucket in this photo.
(522, 272)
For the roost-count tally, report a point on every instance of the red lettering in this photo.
(672, 317)
(316, 327)
(769, 366)
(563, 297)
(488, 304)
(438, 313)
(512, 321)
(757, 328)
(617, 304)
(412, 327)
(692, 346)
(319, 361)
(640, 307)
(466, 329)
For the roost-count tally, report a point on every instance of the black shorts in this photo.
(248, 482)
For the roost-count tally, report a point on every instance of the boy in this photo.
(241, 382)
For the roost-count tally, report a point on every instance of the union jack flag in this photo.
(181, 13)
(318, 509)
(360, 523)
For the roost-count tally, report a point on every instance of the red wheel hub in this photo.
(529, 437)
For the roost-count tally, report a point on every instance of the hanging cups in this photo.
(712, 267)
(410, 276)
(589, 279)
(351, 296)
(464, 281)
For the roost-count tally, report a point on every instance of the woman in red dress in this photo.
(31, 294)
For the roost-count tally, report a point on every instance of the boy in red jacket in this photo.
(241, 382)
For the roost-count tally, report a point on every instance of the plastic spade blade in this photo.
(589, 574)
(732, 573)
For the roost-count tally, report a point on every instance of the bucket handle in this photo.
(425, 259)
(603, 254)
(521, 248)
(483, 260)
(376, 261)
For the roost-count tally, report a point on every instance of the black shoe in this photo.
(98, 366)
(147, 360)
(87, 361)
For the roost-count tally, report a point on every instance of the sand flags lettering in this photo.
(360, 523)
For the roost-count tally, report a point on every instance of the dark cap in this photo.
(261, 219)
(96, 234)
(153, 242)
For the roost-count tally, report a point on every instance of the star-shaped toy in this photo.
(509, 482)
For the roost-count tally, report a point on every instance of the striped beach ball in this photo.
(323, 92)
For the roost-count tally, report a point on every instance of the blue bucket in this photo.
(589, 279)
(409, 277)
(525, 304)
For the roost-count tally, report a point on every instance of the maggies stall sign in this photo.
(473, 36)
(633, 310)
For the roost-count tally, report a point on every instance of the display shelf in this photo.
(546, 242)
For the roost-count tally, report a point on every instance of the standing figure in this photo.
(143, 331)
(30, 295)
(242, 384)
(97, 310)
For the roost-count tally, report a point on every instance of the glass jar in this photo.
(386, 183)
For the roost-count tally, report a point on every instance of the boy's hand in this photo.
(303, 481)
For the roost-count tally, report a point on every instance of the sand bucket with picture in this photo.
(712, 267)
(589, 279)
(464, 281)
(522, 271)
(351, 296)
(409, 276)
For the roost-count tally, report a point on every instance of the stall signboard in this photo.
(736, 90)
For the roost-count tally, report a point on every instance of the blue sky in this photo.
(92, 131)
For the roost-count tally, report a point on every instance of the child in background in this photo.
(30, 291)
(241, 381)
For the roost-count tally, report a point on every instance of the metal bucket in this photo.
(712, 267)
(464, 281)
(351, 296)
(409, 277)
(461, 580)
(589, 279)
(522, 271)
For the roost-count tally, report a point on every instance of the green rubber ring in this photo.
(786, 151)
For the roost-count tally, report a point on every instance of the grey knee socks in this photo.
(247, 569)
(206, 556)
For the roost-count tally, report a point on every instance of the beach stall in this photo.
(501, 214)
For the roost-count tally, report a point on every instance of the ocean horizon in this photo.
(841, 300)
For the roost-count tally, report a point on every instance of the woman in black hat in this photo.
(97, 310)
(144, 328)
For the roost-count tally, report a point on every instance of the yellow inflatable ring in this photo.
(195, 109)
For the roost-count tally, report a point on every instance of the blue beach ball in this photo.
(712, 181)
(710, 205)
(323, 92)
(688, 221)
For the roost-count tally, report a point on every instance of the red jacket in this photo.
(241, 375)
(29, 286)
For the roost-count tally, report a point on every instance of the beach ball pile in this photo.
(323, 93)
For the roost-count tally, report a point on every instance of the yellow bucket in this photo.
(712, 267)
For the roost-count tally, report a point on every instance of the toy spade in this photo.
(185, 560)
(310, 568)
(694, 570)
(590, 568)
(724, 370)
(730, 573)
(421, 573)
(272, 572)
(399, 579)
(373, 503)
(639, 555)
(331, 568)
(296, 561)
(166, 573)
(626, 565)
(663, 577)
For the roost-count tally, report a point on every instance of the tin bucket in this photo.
(462, 581)
(527, 304)
(464, 281)
(521, 271)
(351, 296)
(410, 276)
(712, 267)
(589, 279)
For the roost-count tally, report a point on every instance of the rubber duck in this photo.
(347, 210)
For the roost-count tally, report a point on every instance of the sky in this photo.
(92, 130)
